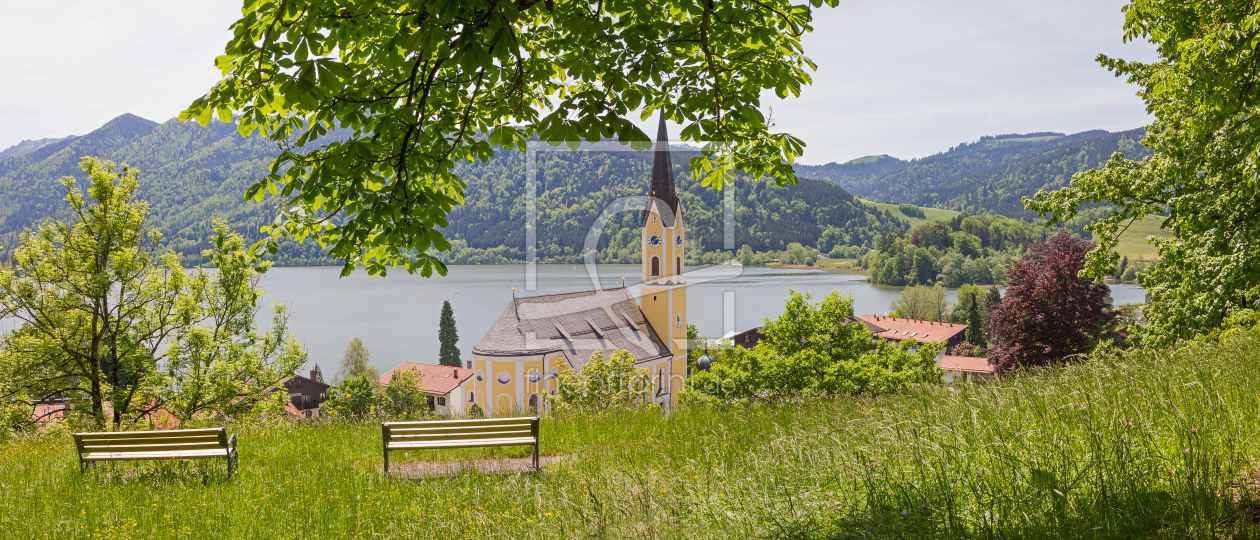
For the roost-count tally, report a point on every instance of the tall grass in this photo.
(1146, 444)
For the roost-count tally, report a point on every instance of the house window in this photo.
(442, 401)
(533, 402)
(471, 396)
(429, 401)
(656, 267)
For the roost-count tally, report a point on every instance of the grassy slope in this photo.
(1145, 446)
(1133, 241)
(932, 214)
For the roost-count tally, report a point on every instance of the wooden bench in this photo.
(170, 444)
(459, 434)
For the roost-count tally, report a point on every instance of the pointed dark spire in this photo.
(662, 186)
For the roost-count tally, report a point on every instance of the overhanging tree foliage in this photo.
(1203, 92)
(418, 85)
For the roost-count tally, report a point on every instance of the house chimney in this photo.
(313, 375)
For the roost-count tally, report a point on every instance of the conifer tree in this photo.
(975, 327)
(319, 375)
(448, 336)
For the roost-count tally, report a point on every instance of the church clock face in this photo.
(654, 240)
(678, 240)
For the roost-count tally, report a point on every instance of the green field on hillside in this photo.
(1133, 242)
(932, 214)
(1144, 444)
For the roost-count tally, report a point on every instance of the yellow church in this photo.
(519, 361)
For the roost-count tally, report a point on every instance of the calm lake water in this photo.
(397, 316)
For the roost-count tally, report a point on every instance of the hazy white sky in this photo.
(902, 77)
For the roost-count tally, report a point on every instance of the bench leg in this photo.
(386, 452)
(229, 464)
(536, 457)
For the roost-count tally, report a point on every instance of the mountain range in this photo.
(191, 175)
(990, 175)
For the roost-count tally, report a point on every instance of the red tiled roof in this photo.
(923, 331)
(436, 379)
(970, 364)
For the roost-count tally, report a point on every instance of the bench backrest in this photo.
(461, 430)
(152, 441)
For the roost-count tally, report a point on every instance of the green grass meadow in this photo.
(1133, 241)
(1149, 444)
(932, 214)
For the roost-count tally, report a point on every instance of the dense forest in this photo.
(574, 188)
(965, 249)
(1000, 189)
(993, 170)
(191, 175)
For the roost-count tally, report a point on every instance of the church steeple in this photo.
(662, 186)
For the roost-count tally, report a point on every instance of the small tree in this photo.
(603, 384)
(404, 395)
(356, 362)
(1050, 312)
(113, 321)
(354, 397)
(745, 255)
(921, 302)
(448, 355)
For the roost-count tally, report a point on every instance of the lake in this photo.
(397, 316)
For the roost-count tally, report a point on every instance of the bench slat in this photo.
(168, 447)
(446, 436)
(452, 431)
(516, 441)
(127, 456)
(174, 433)
(445, 423)
(152, 440)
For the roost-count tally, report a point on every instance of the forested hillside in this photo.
(855, 176)
(1000, 189)
(191, 175)
(574, 188)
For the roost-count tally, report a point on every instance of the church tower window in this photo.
(656, 266)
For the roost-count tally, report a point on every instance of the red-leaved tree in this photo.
(1049, 311)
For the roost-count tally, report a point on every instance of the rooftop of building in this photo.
(575, 324)
(898, 328)
(437, 379)
(969, 364)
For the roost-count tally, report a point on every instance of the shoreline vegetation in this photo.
(1141, 443)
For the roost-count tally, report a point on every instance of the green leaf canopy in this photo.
(420, 86)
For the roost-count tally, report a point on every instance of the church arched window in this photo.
(656, 266)
(678, 265)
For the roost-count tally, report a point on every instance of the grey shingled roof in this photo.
(575, 324)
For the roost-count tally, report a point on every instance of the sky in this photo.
(907, 78)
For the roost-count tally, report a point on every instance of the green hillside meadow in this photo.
(1143, 444)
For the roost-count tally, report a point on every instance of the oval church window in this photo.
(503, 377)
(534, 376)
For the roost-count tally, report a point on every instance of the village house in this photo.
(901, 329)
(445, 388)
(965, 368)
(306, 395)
